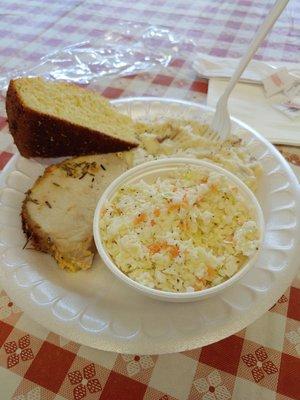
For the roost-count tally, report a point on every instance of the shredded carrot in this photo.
(140, 218)
(174, 207)
(211, 273)
(157, 247)
(156, 212)
(173, 250)
(200, 284)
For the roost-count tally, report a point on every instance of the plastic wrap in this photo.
(137, 49)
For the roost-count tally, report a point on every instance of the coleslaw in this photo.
(185, 232)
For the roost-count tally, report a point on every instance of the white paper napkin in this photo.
(248, 101)
(223, 68)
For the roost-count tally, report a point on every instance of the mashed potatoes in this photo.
(186, 232)
(183, 138)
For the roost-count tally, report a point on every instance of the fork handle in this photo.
(258, 38)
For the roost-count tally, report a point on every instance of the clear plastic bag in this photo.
(137, 49)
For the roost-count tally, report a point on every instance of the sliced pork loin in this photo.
(57, 213)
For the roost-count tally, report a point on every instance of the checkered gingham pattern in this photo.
(260, 362)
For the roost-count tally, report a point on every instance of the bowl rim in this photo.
(140, 170)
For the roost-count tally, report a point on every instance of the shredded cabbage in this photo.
(186, 232)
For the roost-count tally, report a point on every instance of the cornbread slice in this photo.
(54, 119)
(57, 213)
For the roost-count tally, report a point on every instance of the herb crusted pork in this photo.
(57, 213)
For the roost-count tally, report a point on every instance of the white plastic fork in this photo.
(221, 124)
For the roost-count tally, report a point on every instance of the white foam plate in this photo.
(96, 309)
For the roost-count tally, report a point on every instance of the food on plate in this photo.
(57, 213)
(185, 232)
(53, 119)
(184, 138)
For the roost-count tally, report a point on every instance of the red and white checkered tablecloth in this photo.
(260, 362)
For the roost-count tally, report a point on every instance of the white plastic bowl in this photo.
(151, 170)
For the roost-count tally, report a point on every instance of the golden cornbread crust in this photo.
(41, 135)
